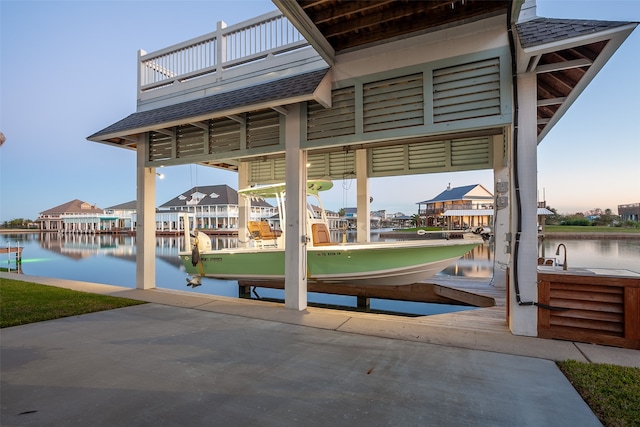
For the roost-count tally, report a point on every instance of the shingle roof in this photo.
(548, 30)
(212, 195)
(132, 205)
(456, 193)
(74, 206)
(286, 88)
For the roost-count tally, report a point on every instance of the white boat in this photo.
(374, 263)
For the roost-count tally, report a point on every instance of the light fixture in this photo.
(160, 175)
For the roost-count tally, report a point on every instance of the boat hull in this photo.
(397, 263)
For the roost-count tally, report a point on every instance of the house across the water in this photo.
(458, 208)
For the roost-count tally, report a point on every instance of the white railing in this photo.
(249, 41)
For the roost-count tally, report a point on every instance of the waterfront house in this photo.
(458, 208)
(125, 213)
(629, 212)
(76, 216)
(213, 207)
(368, 89)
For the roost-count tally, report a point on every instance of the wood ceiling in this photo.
(558, 74)
(353, 24)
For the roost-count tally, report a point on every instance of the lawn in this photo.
(612, 392)
(25, 302)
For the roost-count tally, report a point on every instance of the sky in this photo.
(68, 70)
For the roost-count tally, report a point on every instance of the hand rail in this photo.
(227, 47)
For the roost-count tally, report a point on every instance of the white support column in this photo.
(146, 226)
(523, 316)
(243, 205)
(295, 281)
(363, 204)
(502, 219)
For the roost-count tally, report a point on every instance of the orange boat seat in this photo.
(261, 230)
(320, 234)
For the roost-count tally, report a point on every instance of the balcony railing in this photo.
(453, 206)
(210, 54)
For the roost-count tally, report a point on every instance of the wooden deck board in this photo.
(487, 319)
(492, 319)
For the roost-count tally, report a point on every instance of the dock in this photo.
(17, 250)
(15, 264)
(490, 314)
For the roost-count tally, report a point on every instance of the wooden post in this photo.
(364, 302)
(523, 319)
(243, 206)
(295, 280)
(146, 214)
(362, 178)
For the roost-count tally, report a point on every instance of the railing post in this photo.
(141, 71)
(221, 49)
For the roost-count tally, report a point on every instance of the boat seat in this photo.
(254, 229)
(261, 230)
(320, 234)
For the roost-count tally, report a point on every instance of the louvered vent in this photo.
(279, 169)
(466, 91)
(339, 120)
(160, 146)
(394, 103)
(427, 155)
(431, 156)
(224, 136)
(470, 152)
(385, 160)
(190, 141)
(337, 165)
(267, 171)
(263, 129)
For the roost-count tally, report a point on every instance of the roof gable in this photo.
(475, 191)
(209, 195)
(74, 206)
(131, 205)
(541, 31)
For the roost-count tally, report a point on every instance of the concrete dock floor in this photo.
(194, 359)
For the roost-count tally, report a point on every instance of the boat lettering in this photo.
(329, 253)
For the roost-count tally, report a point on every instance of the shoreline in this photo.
(571, 235)
(587, 236)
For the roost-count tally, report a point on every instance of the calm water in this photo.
(110, 259)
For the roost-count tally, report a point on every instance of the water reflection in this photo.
(111, 259)
(477, 263)
(610, 253)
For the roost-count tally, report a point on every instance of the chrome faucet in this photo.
(564, 264)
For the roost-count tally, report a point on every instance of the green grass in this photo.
(25, 302)
(588, 229)
(612, 392)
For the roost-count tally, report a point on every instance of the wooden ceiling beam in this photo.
(565, 65)
(281, 110)
(201, 125)
(345, 10)
(164, 132)
(551, 101)
(388, 17)
(237, 118)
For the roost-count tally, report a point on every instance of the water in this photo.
(110, 259)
